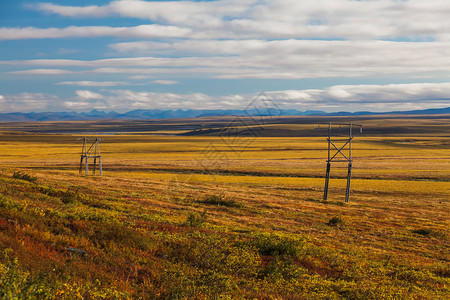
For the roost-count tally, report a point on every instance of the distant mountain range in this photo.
(144, 114)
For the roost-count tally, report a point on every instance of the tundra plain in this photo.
(213, 208)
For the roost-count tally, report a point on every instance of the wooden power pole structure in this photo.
(92, 152)
(346, 153)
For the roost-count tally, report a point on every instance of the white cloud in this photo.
(84, 94)
(282, 59)
(124, 99)
(416, 19)
(193, 39)
(334, 98)
(26, 102)
(199, 13)
(369, 97)
(165, 82)
(343, 97)
(139, 77)
(92, 83)
(78, 105)
(43, 72)
(142, 31)
(71, 11)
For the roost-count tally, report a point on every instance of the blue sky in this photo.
(330, 55)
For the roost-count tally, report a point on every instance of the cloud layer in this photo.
(352, 97)
(348, 19)
(285, 59)
(180, 45)
(142, 31)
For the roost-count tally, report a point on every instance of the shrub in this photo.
(24, 176)
(17, 284)
(174, 284)
(11, 204)
(114, 232)
(430, 233)
(196, 219)
(221, 201)
(442, 270)
(312, 200)
(69, 197)
(423, 231)
(216, 284)
(275, 245)
(336, 222)
(281, 268)
(211, 252)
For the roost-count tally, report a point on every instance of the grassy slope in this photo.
(172, 219)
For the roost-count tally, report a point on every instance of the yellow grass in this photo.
(152, 185)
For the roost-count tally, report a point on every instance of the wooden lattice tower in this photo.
(92, 152)
(346, 154)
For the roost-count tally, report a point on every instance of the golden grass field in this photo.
(211, 217)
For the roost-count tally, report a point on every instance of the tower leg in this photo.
(87, 166)
(81, 164)
(327, 179)
(349, 177)
(100, 165)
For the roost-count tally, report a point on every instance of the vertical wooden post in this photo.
(349, 172)
(83, 154)
(81, 164)
(350, 137)
(329, 141)
(99, 157)
(327, 175)
(349, 177)
(327, 179)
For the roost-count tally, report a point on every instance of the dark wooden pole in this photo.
(81, 163)
(349, 177)
(327, 175)
(327, 179)
(83, 154)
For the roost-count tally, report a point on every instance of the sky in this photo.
(330, 55)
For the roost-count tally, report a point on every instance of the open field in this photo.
(225, 217)
(283, 126)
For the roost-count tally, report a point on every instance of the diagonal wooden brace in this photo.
(339, 150)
